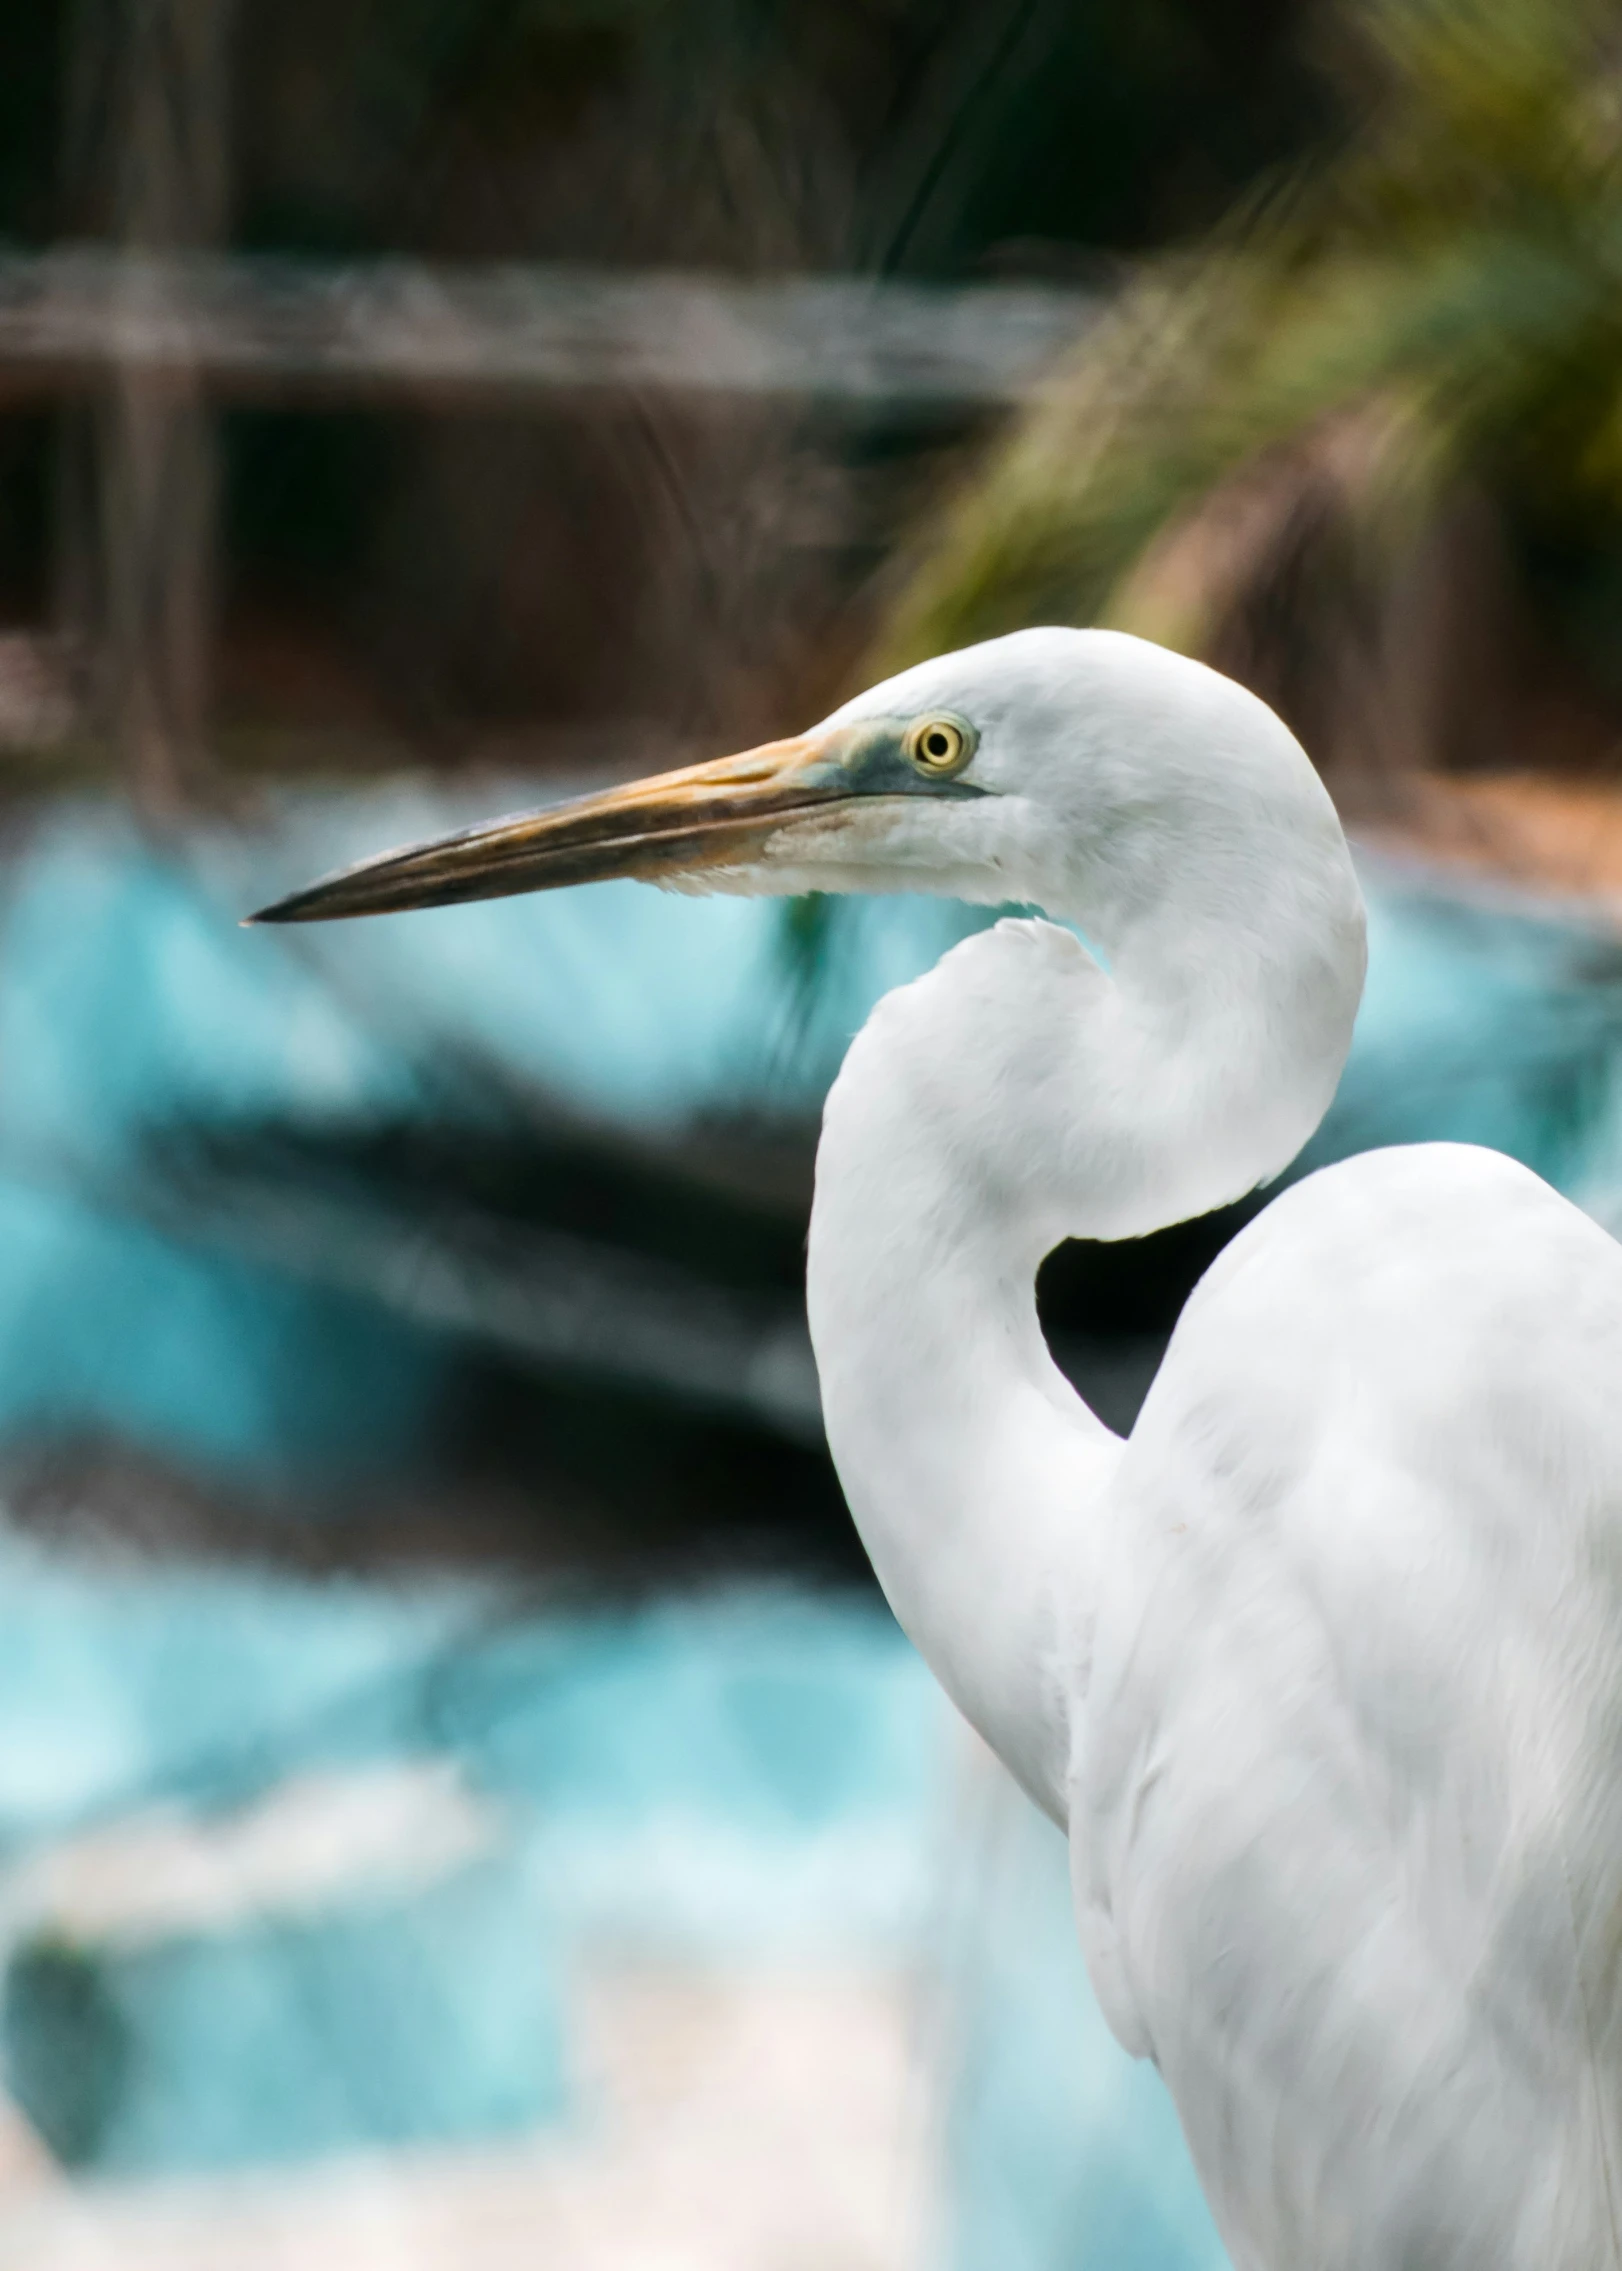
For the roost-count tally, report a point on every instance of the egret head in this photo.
(1052, 767)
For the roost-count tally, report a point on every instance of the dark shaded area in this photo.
(66, 2046)
(32, 48)
(637, 1490)
(1135, 1286)
(26, 464)
(732, 1200)
(913, 138)
(444, 577)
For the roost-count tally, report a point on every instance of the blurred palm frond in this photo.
(1363, 448)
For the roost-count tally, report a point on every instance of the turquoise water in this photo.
(749, 1775)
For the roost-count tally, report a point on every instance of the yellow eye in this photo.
(940, 745)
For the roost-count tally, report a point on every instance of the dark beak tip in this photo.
(314, 903)
(328, 900)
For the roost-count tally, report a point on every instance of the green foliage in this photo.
(1433, 309)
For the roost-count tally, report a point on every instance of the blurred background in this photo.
(462, 1801)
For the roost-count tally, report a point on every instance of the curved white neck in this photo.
(1015, 1095)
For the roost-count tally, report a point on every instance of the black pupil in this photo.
(937, 745)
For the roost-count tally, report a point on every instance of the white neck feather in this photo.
(1016, 1095)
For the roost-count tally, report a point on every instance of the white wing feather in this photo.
(1347, 1820)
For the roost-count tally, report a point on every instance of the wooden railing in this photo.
(302, 330)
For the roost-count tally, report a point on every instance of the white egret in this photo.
(1322, 1668)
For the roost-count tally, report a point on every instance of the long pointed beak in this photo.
(711, 815)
